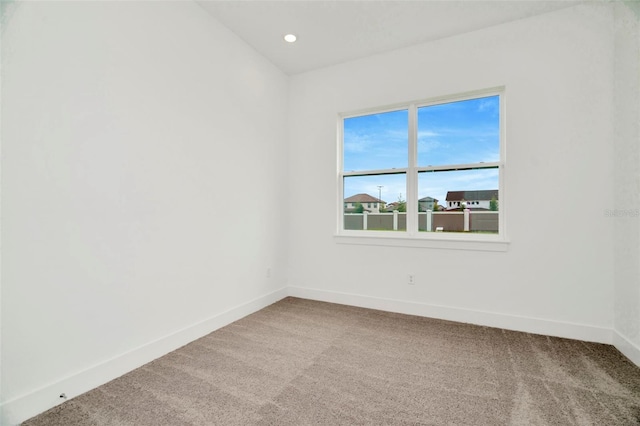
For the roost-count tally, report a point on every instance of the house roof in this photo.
(427, 199)
(478, 195)
(362, 198)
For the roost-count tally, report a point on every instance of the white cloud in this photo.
(489, 104)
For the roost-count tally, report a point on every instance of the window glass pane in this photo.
(462, 132)
(446, 193)
(384, 193)
(376, 141)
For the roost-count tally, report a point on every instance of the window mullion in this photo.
(397, 171)
(455, 167)
(412, 174)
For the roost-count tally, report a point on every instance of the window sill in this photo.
(431, 241)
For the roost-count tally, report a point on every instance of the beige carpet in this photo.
(300, 362)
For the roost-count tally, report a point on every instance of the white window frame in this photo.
(412, 237)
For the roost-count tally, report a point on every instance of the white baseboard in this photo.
(490, 319)
(628, 349)
(19, 409)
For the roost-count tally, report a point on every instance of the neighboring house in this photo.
(369, 203)
(427, 203)
(476, 200)
(392, 206)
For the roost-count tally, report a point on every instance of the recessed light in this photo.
(290, 38)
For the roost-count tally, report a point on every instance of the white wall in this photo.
(142, 144)
(556, 276)
(627, 181)
(133, 135)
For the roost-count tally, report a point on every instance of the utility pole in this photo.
(379, 196)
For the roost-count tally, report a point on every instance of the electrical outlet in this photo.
(411, 279)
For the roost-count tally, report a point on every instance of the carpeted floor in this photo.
(301, 362)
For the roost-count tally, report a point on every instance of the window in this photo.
(446, 151)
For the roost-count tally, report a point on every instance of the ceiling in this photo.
(332, 32)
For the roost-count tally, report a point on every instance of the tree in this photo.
(359, 208)
(493, 204)
(402, 204)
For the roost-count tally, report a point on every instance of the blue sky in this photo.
(453, 133)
